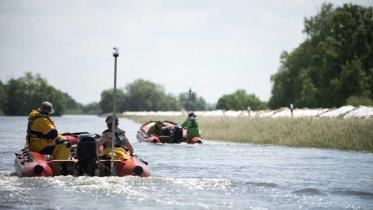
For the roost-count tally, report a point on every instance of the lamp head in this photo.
(115, 51)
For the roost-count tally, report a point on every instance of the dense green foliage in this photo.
(359, 100)
(27, 92)
(191, 102)
(332, 65)
(239, 100)
(106, 102)
(2, 97)
(19, 96)
(141, 95)
(91, 108)
(144, 95)
(71, 104)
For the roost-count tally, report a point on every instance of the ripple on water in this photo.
(358, 193)
(263, 184)
(13, 192)
(308, 191)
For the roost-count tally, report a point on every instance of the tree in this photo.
(239, 100)
(106, 102)
(140, 95)
(71, 104)
(2, 98)
(359, 101)
(27, 92)
(194, 103)
(332, 64)
(91, 108)
(144, 95)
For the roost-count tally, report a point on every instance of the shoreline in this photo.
(328, 133)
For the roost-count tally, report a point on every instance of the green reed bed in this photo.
(336, 133)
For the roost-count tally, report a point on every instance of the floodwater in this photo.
(213, 175)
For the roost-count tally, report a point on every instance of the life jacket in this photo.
(193, 123)
(33, 116)
(190, 123)
(120, 136)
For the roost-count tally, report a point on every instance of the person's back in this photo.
(193, 129)
(42, 135)
(192, 125)
(121, 142)
(41, 131)
(156, 129)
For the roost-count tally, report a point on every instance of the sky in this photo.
(213, 47)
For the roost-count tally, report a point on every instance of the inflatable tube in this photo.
(195, 140)
(33, 164)
(133, 167)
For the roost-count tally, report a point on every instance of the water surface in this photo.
(214, 175)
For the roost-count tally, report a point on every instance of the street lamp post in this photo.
(115, 54)
(189, 99)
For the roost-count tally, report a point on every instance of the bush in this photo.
(359, 101)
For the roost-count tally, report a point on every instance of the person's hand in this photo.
(63, 141)
(59, 141)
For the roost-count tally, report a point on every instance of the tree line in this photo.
(19, 96)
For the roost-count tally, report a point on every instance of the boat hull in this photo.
(33, 164)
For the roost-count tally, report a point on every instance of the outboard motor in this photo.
(177, 134)
(87, 154)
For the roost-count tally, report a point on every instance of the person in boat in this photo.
(159, 129)
(122, 145)
(42, 135)
(192, 126)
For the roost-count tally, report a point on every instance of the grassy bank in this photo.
(343, 134)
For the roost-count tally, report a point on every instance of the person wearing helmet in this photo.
(158, 129)
(192, 126)
(42, 135)
(122, 146)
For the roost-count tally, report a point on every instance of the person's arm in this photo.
(167, 127)
(196, 124)
(102, 140)
(128, 145)
(185, 124)
(47, 128)
(150, 131)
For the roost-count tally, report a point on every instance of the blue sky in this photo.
(213, 46)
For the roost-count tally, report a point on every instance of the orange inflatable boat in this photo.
(174, 134)
(84, 160)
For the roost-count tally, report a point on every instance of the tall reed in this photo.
(336, 133)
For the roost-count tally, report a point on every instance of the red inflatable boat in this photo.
(176, 134)
(83, 161)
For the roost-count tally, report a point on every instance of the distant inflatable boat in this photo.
(177, 134)
(84, 161)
